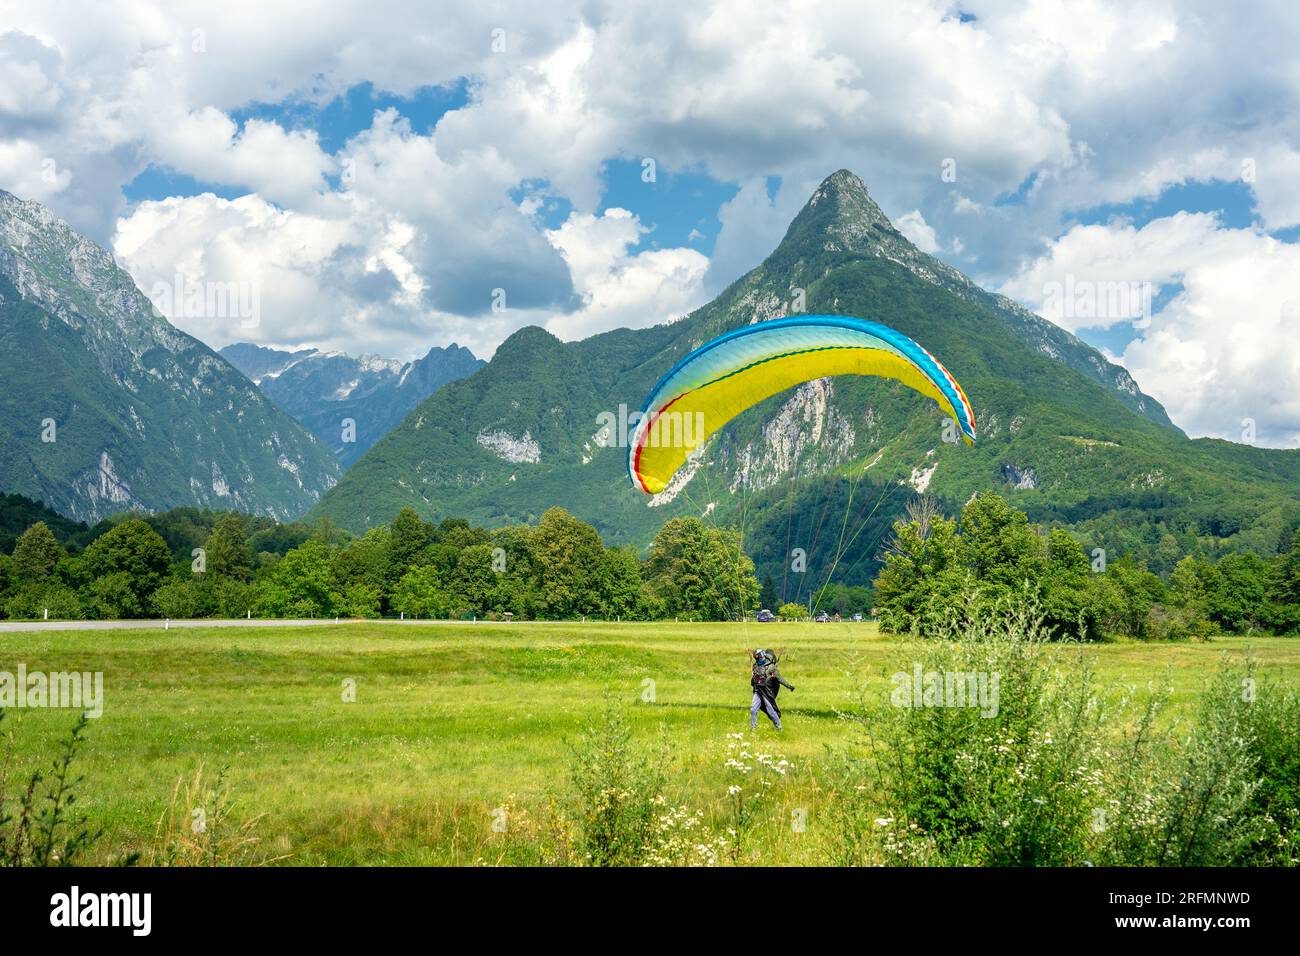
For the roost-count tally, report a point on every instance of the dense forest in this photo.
(845, 525)
(936, 567)
(190, 563)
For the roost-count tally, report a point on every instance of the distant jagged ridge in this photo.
(349, 402)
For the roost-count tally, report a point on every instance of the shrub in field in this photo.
(615, 786)
(1273, 723)
(60, 600)
(1221, 790)
(1208, 818)
(1001, 774)
(1053, 774)
(1195, 801)
(203, 595)
(44, 828)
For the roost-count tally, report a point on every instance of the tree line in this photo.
(188, 563)
(144, 566)
(937, 566)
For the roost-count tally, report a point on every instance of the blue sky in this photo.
(333, 123)
(679, 208)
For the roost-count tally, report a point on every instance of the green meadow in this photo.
(451, 722)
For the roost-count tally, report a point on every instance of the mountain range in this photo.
(349, 402)
(1064, 432)
(106, 406)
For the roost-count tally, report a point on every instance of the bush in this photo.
(615, 788)
(1058, 775)
(1166, 623)
(791, 612)
(62, 602)
(1189, 797)
(46, 829)
(1006, 782)
(30, 603)
(1272, 723)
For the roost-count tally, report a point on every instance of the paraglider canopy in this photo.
(722, 378)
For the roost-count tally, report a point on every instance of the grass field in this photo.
(452, 720)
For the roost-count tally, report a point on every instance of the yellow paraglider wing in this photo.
(736, 371)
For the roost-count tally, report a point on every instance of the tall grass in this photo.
(616, 786)
(42, 824)
(1063, 774)
(199, 827)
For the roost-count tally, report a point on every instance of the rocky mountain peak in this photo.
(841, 216)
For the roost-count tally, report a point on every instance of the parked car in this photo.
(823, 618)
(765, 616)
(857, 617)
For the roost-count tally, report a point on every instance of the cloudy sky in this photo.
(379, 172)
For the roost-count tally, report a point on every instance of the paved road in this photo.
(153, 625)
(11, 626)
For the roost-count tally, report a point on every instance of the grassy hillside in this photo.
(1067, 435)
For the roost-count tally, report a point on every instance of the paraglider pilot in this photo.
(767, 682)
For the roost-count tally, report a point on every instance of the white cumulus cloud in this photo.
(919, 232)
(1223, 353)
(619, 287)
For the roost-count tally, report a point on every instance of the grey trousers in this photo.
(768, 707)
